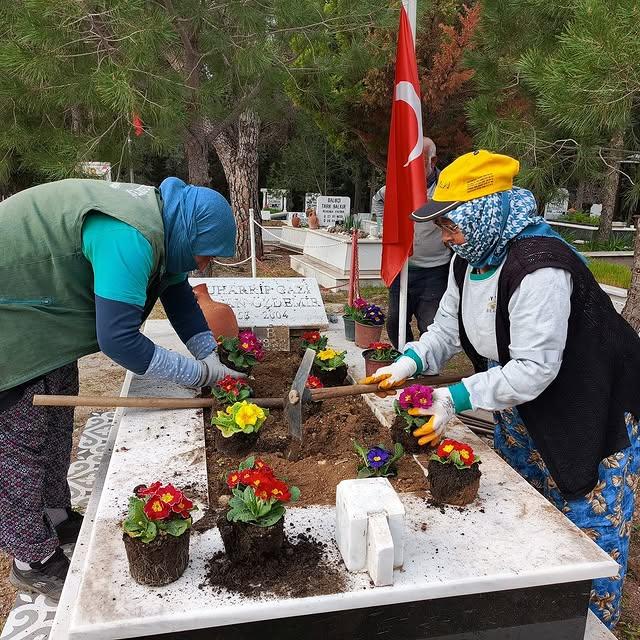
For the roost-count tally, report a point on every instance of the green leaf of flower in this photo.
(174, 527)
(247, 464)
(275, 513)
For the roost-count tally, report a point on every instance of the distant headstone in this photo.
(557, 206)
(273, 199)
(332, 209)
(270, 302)
(311, 200)
(596, 209)
(274, 338)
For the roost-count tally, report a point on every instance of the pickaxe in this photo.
(292, 403)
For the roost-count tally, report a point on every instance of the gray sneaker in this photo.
(46, 578)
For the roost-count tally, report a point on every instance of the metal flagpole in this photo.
(410, 8)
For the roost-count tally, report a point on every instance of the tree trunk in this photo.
(580, 196)
(196, 148)
(631, 311)
(610, 191)
(239, 158)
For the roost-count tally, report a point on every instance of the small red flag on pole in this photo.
(406, 182)
(138, 127)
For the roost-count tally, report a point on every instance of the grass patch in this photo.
(615, 275)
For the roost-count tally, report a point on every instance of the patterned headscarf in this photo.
(491, 222)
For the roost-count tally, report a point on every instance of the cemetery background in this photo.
(310, 115)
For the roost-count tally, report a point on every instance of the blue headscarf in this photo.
(197, 222)
(490, 223)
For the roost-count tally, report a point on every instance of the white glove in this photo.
(442, 410)
(393, 374)
(213, 370)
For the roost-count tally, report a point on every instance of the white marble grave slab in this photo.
(268, 302)
(448, 552)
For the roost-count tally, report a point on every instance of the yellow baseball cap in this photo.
(470, 176)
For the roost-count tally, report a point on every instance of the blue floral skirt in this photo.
(605, 514)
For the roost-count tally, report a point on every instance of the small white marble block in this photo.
(370, 527)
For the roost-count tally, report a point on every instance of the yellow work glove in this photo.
(442, 410)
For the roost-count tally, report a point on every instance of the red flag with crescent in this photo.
(406, 183)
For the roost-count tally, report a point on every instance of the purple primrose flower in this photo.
(377, 457)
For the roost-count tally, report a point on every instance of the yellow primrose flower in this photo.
(229, 410)
(248, 413)
(327, 354)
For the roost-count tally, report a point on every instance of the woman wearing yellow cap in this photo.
(552, 357)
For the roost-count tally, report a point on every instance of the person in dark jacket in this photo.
(82, 262)
(553, 359)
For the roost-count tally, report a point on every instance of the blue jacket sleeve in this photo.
(118, 331)
(183, 311)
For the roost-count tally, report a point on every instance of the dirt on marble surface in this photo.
(300, 570)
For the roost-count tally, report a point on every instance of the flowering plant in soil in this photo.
(157, 509)
(372, 315)
(244, 351)
(416, 396)
(457, 453)
(313, 382)
(313, 340)
(377, 461)
(230, 390)
(355, 312)
(240, 417)
(258, 496)
(383, 351)
(329, 359)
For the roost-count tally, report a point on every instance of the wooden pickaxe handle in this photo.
(358, 389)
(201, 403)
(141, 402)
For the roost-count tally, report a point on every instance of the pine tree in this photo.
(351, 94)
(564, 97)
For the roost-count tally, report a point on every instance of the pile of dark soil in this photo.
(326, 456)
(301, 570)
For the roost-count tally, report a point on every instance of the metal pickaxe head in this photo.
(298, 394)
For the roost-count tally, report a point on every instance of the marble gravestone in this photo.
(332, 209)
(311, 200)
(270, 302)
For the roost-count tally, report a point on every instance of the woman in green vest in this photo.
(82, 263)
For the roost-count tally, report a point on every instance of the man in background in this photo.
(428, 266)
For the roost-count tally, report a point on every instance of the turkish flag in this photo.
(406, 183)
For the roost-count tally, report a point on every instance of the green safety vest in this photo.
(47, 307)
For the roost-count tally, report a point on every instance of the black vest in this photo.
(579, 418)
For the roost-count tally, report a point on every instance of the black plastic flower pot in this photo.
(349, 328)
(158, 562)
